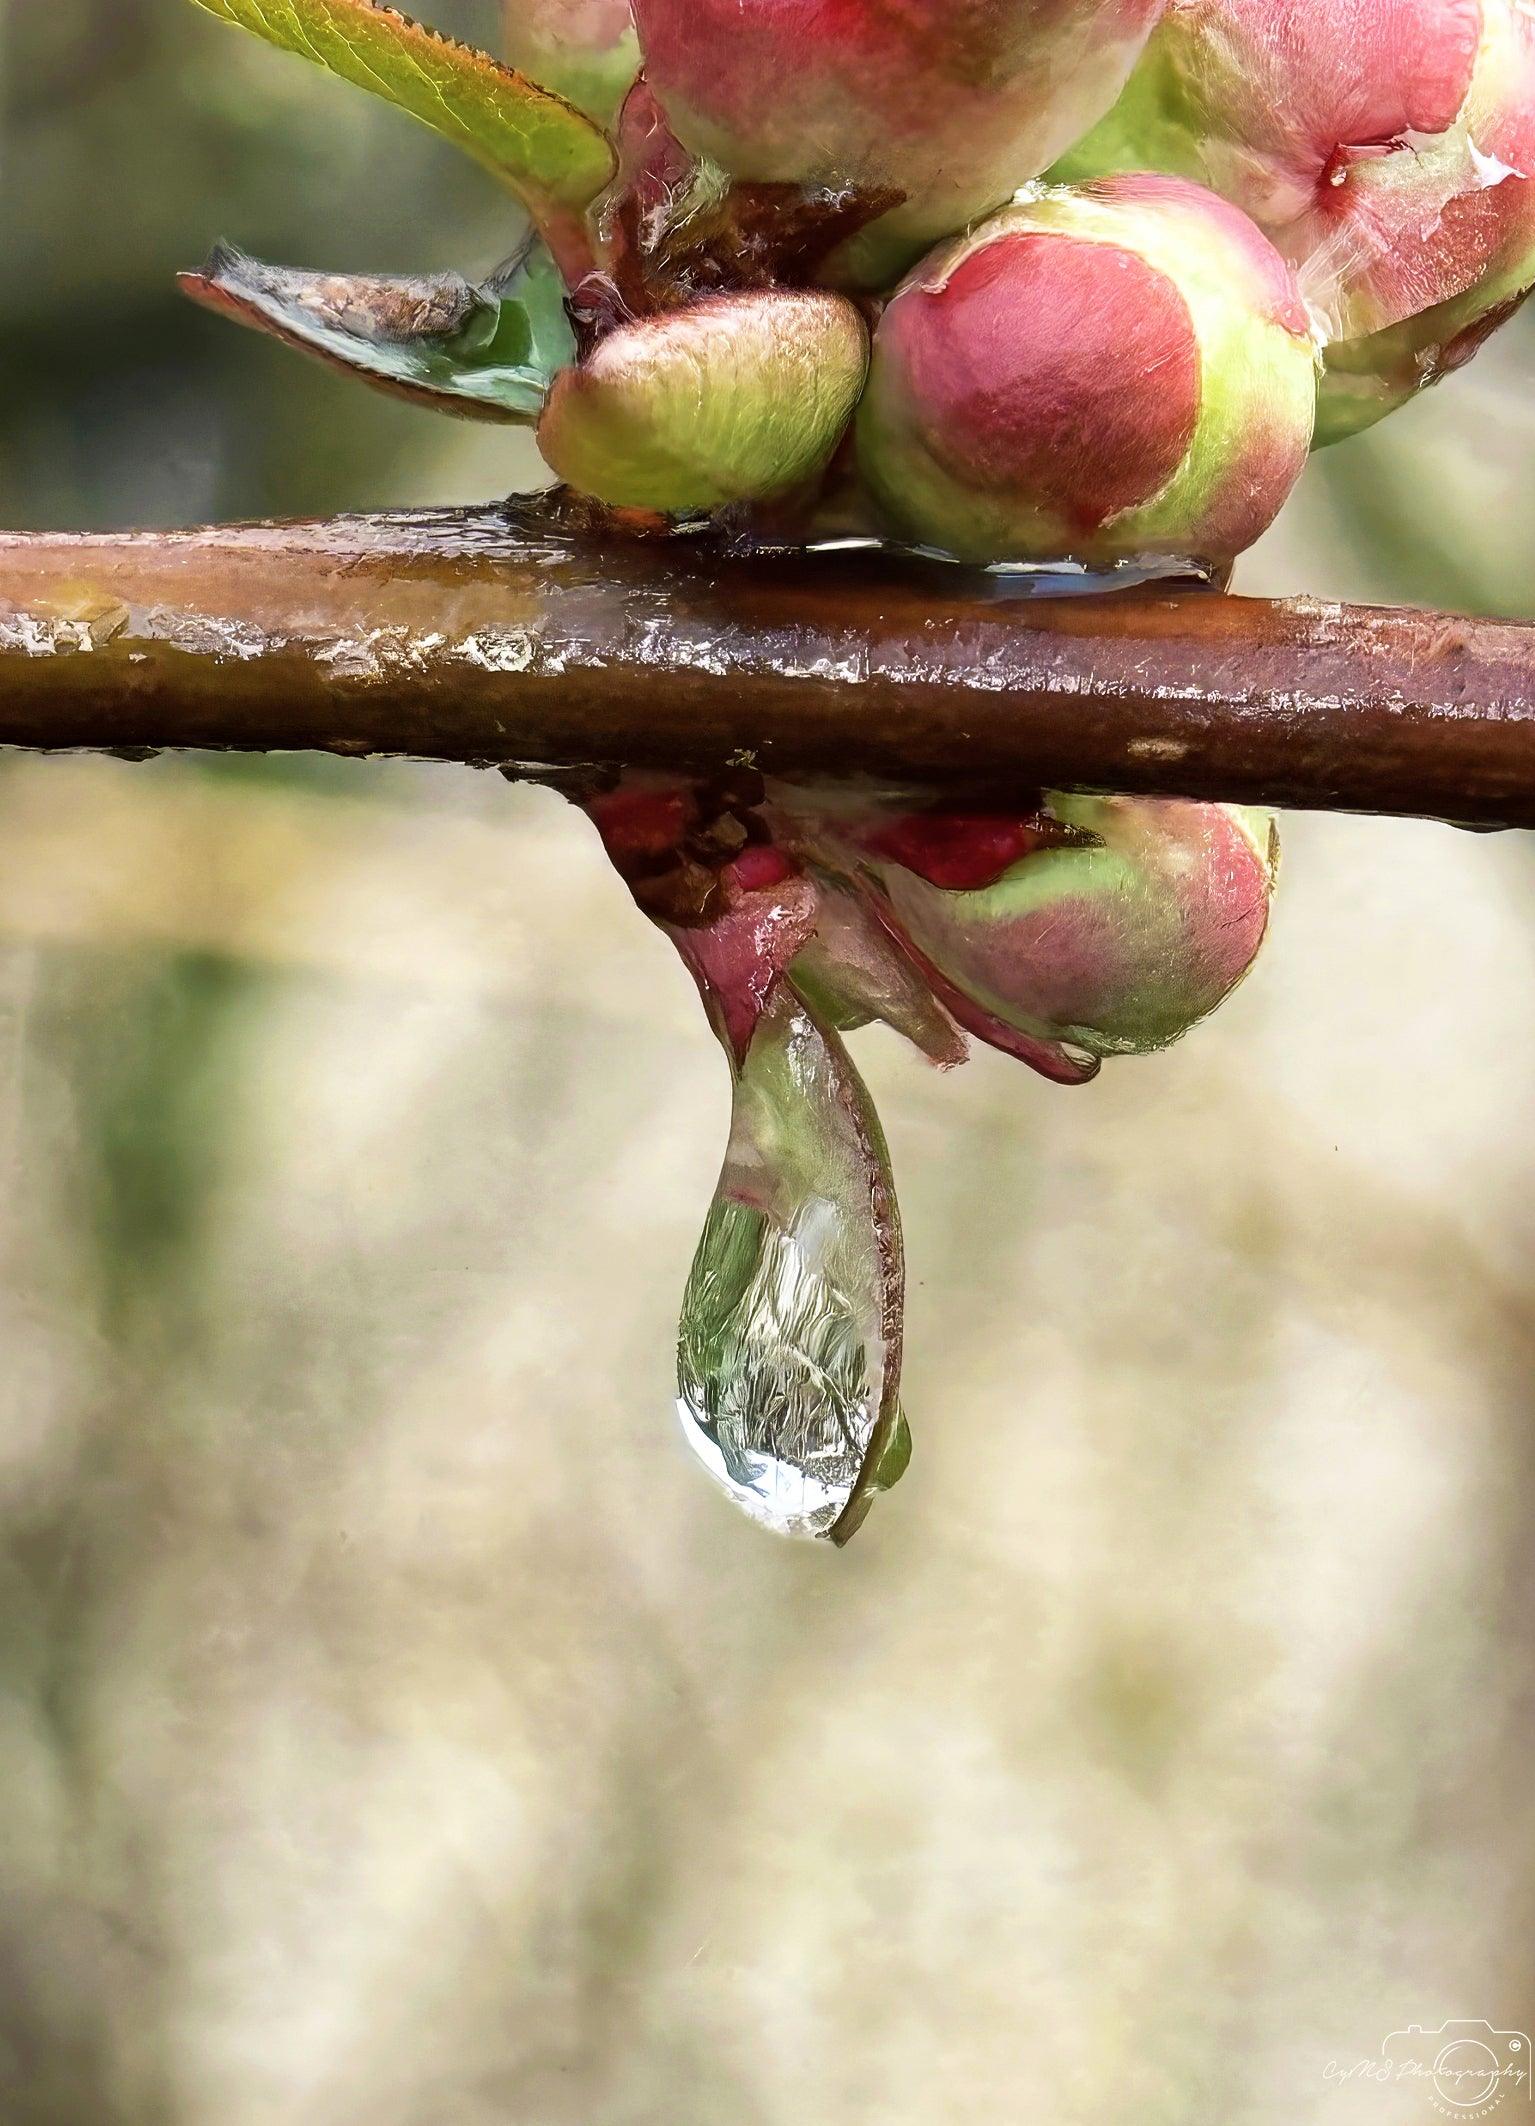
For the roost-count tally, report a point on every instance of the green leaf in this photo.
(531, 139)
(486, 352)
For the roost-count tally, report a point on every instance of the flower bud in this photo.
(585, 50)
(737, 398)
(1117, 371)
(1126, 922)
(951, 103)
(1382, 144)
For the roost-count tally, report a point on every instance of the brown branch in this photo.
(464, 636)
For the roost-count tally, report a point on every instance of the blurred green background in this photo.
(394, 1728)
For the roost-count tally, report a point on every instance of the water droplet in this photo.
(789, 1353)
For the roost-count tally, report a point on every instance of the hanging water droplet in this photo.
(789, 1352)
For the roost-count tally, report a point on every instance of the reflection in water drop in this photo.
(789, 1351)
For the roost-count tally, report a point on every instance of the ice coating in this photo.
(1113, 371)
(762, 916)
(1487, 232)
(585, 50)
(952, 103)
(852, 972)
(483, 351)
(789, 1350)
(789, 1347)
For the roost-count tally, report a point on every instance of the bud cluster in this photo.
(1018, 280)
(1061, 934)
(1021, 281)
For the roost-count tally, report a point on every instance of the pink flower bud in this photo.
(1089, 928)
(953, 103)
(1384, 145)
(1116, 944)
(1121, 370)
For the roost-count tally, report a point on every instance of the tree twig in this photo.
(467, 635)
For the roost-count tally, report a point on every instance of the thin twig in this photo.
(471, 636)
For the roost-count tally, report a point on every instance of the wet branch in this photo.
(466, 636)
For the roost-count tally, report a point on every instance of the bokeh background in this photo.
(394, 1728)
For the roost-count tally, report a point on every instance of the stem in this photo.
(570, 244)
(471, 635)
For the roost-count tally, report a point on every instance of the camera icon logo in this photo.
(1467, 2068)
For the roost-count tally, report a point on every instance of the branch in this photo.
(473, 636)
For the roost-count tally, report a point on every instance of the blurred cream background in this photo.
(395, 1730)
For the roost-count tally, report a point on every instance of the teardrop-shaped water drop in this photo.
(789, 1355)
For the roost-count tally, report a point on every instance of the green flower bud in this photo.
(736, 399)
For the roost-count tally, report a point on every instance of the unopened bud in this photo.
(1384, 147)
(950, 103)
(736, 399)
(1117, 371)
(1129, 920)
